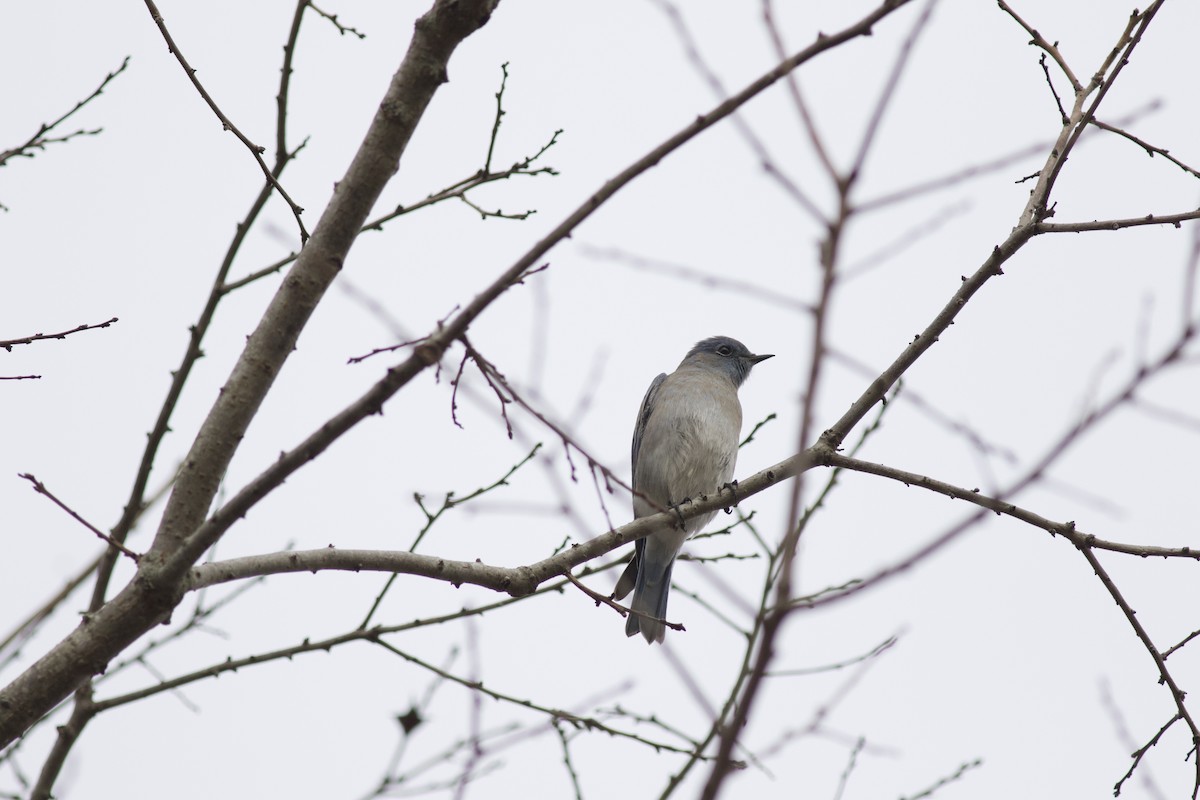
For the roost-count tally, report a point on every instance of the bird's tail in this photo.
(650, 599)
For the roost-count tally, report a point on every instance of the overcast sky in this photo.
(1009, 649)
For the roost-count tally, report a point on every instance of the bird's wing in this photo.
(643, 416)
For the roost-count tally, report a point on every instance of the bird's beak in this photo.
(756, 359)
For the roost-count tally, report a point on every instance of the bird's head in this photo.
(726, 355)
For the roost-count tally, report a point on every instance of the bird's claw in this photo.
(675, 507)
(732, 487)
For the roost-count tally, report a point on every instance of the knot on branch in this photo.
(521, 582)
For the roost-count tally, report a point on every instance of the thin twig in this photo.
(557, 714)
(9, 344)
(888, 92)
(1167, 653)
(342, 29)
(940, 782)
(1138, 754)
(487, 162)
(23, 630)
(226, 123)
(449, 502)
(1165, 677)
(570, 767)
(456, 190)
(1038, 40)
(1062, 112)
(797, 98)
(1150, 149)
(780, 581)
(1067, 530)
(39, 140)
(285, 82)
(1176, 220)
(766, 161)
(40, 488)
(136, 503)
(307, 646)
(705, 278)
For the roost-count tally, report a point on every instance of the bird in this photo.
(685, 445)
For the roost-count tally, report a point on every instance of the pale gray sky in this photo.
(1008, 643)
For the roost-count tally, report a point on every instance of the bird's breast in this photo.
(690, 443)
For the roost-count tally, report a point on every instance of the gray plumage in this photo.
(685, 445)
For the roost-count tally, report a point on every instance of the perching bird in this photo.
(685, 445)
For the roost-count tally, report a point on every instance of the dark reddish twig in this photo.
(40, 488)
(9, 344)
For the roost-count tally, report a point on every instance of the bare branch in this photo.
(1165, 677)
(1062, 112)
(1150, 149)
(27, 627)
(888, 92)
(333, 18)
(9, 344)
(875, 651)
(1037, 209)
(449, 502)
(516, 581)
(226, 123)
(1038, 40)
(951, 778)
(309, 646)
(429, 352)
(797, 98)
(150, 596)
(1067, 530)
(1141, 752)
(710, 280)
(285, 83)
(456, 191)
(765, 160)
(556, 714)
(41, 489)
(1118, 224)
(39, 140)
(1167, 653)
(972, 171)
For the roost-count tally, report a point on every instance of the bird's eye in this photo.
(725, 350)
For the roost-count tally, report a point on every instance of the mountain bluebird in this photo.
(685, 446)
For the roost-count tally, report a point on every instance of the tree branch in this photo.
(41, 489)
(9, 344)
(226, 123)
(1118, 224)
(516, 581)
(1067, 530)
(39, 141)
(156, 588)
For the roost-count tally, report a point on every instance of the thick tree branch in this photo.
(156, 588)
(136, 503)
(516, 581)
(1035, 211)
(430, 350)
